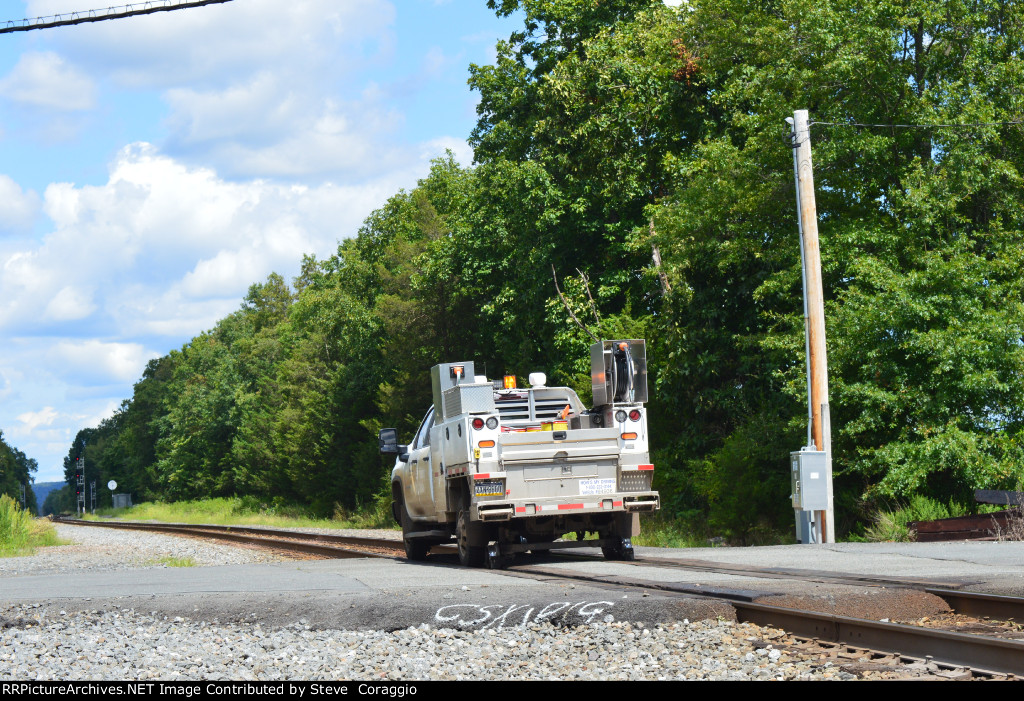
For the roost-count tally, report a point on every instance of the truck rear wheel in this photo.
(472, 552)
(620, 549)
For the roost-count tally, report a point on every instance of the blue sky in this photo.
(152, 168)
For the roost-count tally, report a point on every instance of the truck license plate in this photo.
(490, 489)
(597, 486)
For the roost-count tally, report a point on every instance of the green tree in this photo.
(16, 471)
(918, 229)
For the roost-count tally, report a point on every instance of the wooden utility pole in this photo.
(814, 312)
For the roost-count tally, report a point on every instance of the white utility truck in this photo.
(506, 470)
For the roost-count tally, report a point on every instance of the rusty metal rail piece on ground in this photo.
(978, 652)
(973, 527)
(980, 605)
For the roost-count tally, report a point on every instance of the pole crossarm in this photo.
(119, 12)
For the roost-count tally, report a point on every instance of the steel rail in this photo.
(310, 543)
(980, 605)
(979, 652)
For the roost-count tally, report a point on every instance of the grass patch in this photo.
(890, 525)
(169, 561)
(20, 532)
(660, 532)
(249, 511)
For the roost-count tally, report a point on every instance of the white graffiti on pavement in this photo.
(500, 615)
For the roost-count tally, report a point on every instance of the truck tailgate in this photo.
(584, 462)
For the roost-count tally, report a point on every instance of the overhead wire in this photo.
(117, 12)
(920, 126)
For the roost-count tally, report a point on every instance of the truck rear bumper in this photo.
(633, 502)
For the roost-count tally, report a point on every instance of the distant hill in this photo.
(43, 488)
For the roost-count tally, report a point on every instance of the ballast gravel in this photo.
(42, 641)
(45, 643)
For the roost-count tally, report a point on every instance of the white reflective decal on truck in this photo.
(592, 487)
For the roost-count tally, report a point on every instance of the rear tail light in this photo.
(634, 415)
(478, 424)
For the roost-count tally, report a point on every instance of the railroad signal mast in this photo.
(80, 484)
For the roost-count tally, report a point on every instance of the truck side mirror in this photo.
(388, 439)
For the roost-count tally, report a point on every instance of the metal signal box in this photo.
(808, 478)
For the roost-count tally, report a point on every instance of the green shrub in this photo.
(20, 533)
(891, 524)
(658, 531)
(250, 510)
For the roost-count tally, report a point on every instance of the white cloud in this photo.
(162, 248)
(258, 130)
(31, 420)
(69, 304)
(18, 208)
(5, 385)
(436, 61)
(253, 110)
(436, 148)
(222, 42)
(105, 411)
(100, 361)
(44, 79)
(263, 88)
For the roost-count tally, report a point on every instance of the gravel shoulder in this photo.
(103, 550)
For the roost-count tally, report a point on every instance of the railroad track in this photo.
(984, 655)
(328, 546)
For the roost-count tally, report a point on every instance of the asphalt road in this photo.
(394, 594)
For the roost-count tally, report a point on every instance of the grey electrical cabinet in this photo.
(809, 480)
